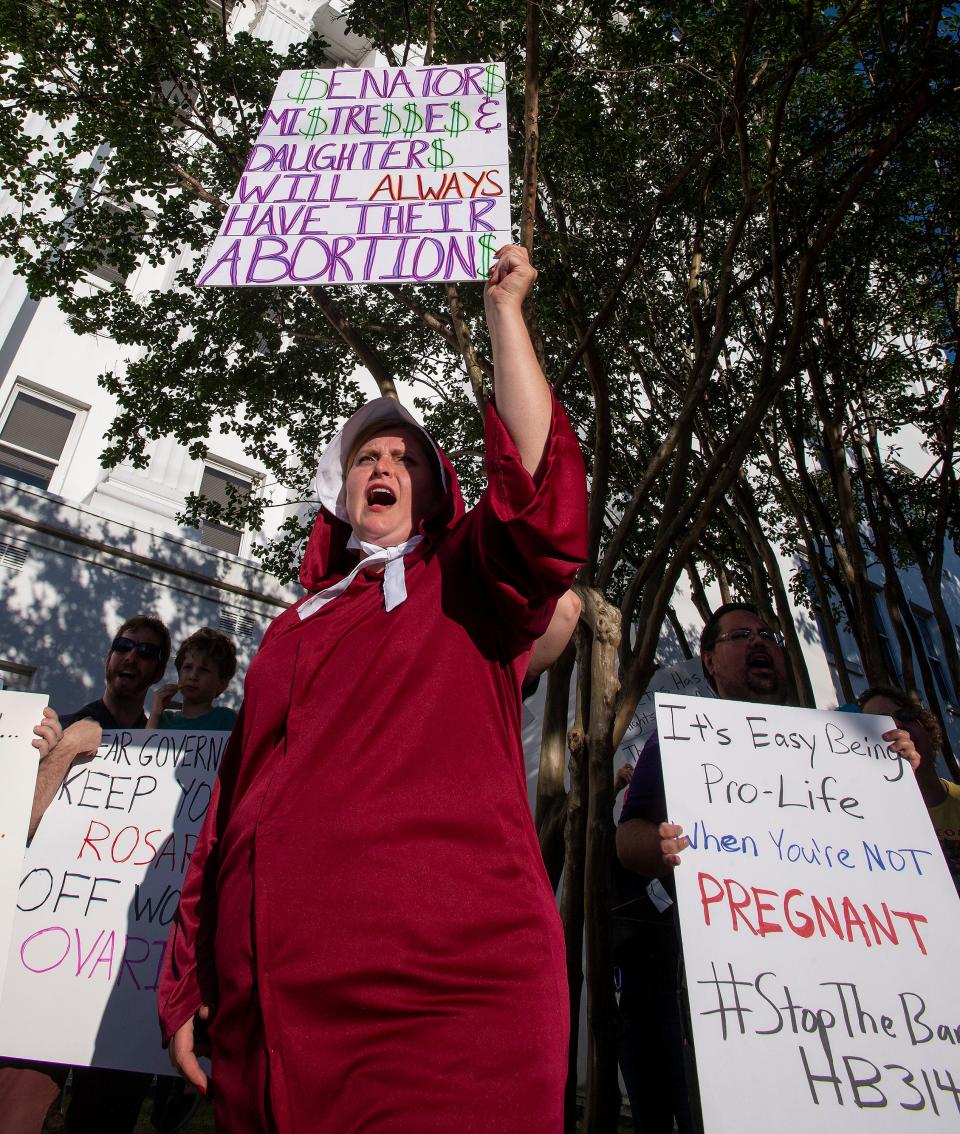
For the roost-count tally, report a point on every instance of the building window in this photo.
(214, 486)
(927, 626)
(34, 437)
(888, 647)
(130, 225)
(15, 677)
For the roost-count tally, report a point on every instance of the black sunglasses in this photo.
(144, 649)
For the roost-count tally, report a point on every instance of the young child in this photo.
(205, 663)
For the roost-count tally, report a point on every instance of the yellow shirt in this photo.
(946, 822)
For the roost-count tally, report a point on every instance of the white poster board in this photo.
(100, 886)
(820, 926)
(371, 175)
(19, 714)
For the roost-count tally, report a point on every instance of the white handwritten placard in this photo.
(818, 919)
(19, 714)
(371, 175)
(100, 885)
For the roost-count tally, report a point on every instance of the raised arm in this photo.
(520, 388)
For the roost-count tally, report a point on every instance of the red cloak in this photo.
(366, 909)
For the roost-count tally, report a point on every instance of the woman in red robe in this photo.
(366, 920)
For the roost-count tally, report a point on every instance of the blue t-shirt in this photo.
(219, 719)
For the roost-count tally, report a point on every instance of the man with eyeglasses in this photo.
(743, 660)
(101, 1101)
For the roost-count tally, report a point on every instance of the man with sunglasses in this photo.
(137, 659)
(102, 1101)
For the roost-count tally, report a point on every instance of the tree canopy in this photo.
(744, 216)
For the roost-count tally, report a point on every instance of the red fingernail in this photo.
(202, 1088)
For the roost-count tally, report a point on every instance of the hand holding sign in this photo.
(48, 732)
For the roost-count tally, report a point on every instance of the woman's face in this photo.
(392, 484)
(905, 718)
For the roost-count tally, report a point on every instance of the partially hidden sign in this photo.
(818, 919)
(19, 714)
(371, 175)
(99, 888)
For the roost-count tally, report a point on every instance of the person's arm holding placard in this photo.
(646, 843)
(58, 750)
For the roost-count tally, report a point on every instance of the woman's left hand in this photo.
(510, 280)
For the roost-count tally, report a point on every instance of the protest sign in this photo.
(19, 714)
(686, 678)
(371, 175)
(100, 886)
(818, 919)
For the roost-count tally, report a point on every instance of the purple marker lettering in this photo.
(437, 249)
(392, 217)
(372, 243)
(390, 158)
(448, 83)
(468, 262)
(339, 79)
(313, 218)
(416, 149)
(478, 210)
(398, 272)
(293, 185)
(288, 221)
(261, 192)
(414, 213)
(470, 80)
(266, 157)
(341, 246)
(363, 208)
(369, 87)
(400, 80)
(261, 255)
(231, 256)
(435, 111)
(334, 186)
(262, 223)
(311, 243)
(286, 121)
(428, 73)
(237, 217)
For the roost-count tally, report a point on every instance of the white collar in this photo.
(394, 581)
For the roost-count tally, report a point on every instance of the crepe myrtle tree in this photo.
(682, 175)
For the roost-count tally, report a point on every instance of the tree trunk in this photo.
(551, 813)
(602, 1104)
(571, 902)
